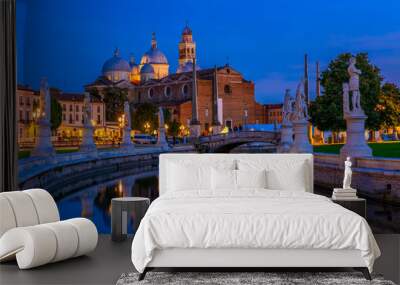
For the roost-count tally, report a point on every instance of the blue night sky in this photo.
(69, 40)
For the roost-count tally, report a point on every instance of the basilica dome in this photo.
(147, 68)
(187, 67)
(154, 56)
(116, 63)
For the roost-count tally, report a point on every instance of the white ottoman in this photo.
(31, 232)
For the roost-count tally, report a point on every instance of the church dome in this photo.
(116, 63)
(154, 55)
(147, 68)
(187, 67)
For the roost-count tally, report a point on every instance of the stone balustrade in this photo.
(61, 168)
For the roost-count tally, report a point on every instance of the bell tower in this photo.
(187, 47)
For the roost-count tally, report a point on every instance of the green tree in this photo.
(327, 111)
(144, 118)
(173, 129)
(56, 114)
(114, 99)
(389, 106)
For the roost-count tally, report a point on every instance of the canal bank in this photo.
(374, 177)
(71, 168)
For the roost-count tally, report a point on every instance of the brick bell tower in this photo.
(187, 47)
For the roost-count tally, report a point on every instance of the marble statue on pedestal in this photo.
(347, 174)
(87, 144)
(162, 137)
(287, 126)
(300, 118)
(127, 144)
(43, 146)
(355, 145)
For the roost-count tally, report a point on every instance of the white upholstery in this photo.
(288, 166)
(31, 231)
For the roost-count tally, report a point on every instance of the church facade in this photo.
(224, 96)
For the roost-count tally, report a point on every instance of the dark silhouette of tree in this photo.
(327, 110)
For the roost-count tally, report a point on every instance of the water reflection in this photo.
(94, 202)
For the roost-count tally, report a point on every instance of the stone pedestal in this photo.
(195, 131)
(127, 144)
(162, 139)
(43, 145)
(301, 143)
(216, 130)
(356, 145)
(88, 145)
(286, 138)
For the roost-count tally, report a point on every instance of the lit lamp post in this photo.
(121, 121)
(147, 127)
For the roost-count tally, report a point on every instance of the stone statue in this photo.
(127, 113)
(160, 118)
(287, 107)
(347, 174)
(355, 145)
(346, 107)
(43, 144)
(354, 84)
(87, 110)
(162, 136)
(300, 106)
(354, 74)
(45, 101)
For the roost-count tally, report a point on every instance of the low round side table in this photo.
(120, 208)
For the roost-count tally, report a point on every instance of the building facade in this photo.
(27, 111)
(150, 82)
(273, 113)
(72, 115)
(237, 105)
(28, 102)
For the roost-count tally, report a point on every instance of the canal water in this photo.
(94, 202)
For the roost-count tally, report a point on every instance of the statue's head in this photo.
(352, 60)
(348, 158)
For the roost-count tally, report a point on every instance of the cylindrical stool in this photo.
(120, 207)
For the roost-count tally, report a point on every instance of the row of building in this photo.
(150, 82)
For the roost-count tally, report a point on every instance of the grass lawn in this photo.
(386, 149)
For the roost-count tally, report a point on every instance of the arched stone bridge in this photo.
(227, 142)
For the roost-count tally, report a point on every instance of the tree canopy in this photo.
(327, 111)
(56, 114)
(114, 99)
(389, 105)
(145, 118)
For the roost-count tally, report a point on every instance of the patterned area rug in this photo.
(243, 278)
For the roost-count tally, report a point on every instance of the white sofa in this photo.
(31, 230)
